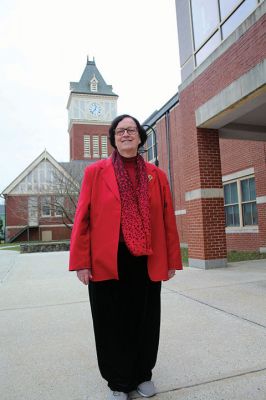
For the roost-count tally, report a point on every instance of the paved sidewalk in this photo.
(213, 335)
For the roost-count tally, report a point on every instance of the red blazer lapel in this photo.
(151, 174)
(109, 177)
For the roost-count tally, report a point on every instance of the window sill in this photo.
(244, 229)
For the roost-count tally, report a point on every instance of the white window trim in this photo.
(95, 146)
(104, 146)
(261, 199)
(150, 133)
(86, 146)
(241, 228)
(43, 204)
(56, 207)
(94, 84)
(238, 174)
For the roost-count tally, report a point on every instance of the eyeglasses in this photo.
(131, 131)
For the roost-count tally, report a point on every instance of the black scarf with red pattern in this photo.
(135, 206)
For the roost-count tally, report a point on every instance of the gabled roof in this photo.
(43, 156)
(83, 86)
(75, 168)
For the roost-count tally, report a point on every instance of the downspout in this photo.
(5, 219)
(167, 128)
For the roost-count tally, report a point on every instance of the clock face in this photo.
(95, 109)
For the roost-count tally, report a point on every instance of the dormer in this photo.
(94, 84)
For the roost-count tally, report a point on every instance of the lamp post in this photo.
(155, 143)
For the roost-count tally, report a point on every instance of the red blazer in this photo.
(95, 234)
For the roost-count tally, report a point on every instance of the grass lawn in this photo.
(184, 253)
(10, 246)
(232, 256)
(16, 245)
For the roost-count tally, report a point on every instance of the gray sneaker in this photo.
(118, 396)
(146, 389)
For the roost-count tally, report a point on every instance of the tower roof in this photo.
(84, 85)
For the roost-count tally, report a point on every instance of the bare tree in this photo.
(56, 196)
(66, 190)
(1, 229)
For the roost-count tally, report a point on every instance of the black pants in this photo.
(126, 319)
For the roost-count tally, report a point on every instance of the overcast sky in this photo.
(44, 45)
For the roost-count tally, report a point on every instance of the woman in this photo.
(124, 243)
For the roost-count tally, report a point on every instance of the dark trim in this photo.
(157, 114)
(94, 93)
(168, 129)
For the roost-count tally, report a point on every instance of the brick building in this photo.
(40, 202)
(2, 221)
(211, 135)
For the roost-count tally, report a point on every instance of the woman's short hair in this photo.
(141, 130)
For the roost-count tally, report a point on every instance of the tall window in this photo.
(87, 146)
(238, 16)
(46, 206)
(226, 7)
(59, 204)
(231, 204)
(249, 207)
(150, 147)
(104, 146)
(240, 203)
(205, 17)
(215, 20)
(95, 146)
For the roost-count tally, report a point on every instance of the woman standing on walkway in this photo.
(124, 243)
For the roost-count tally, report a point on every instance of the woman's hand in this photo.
(84, 275)
(171, 273)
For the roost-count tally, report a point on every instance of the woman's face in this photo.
(127, 137)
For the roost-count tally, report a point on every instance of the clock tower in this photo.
(91, 106)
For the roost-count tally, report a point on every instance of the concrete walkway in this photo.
(213, 336)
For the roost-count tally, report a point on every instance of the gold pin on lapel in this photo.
(150, 177)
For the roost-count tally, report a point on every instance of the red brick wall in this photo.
(262, 224)
(31, 234)
(242, 56)
(58, 233)
(177, 152)
(76, 138)
(61, 233)
(17, 210)
(242, 241)
(209, 158)
(197, 165)
(260, 170)
(206, 227)
(178, 149)
(237, 155)
(17, 218)
(177, 173)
